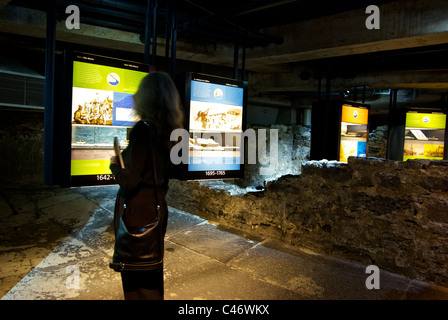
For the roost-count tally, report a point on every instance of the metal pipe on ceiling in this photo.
(154, 32)
(189, 25)
(167, 35)
(171, 38)
(264, 7)
(243, 63)
(194, 26)
(110, 24)
(212, 17)
(236, 52)
(119, 5)
(150, 32)
(137, 16)
(220, 33)
(239, 11)
(132, 19)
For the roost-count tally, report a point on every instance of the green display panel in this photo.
(102, 108)
(424, 136)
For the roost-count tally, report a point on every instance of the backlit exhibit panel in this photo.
(102, 108)
(424, 136)
(215, 126)
(354, 132)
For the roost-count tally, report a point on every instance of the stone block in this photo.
(391, 213)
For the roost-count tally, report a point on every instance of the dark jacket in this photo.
(136, 180)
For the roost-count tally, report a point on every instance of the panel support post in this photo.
(50, 49)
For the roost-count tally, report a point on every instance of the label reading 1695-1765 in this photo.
(215, 173)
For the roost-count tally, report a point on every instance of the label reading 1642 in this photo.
(102, 177)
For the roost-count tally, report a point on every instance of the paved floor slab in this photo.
(67, 257)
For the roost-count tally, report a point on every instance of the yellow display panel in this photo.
(425, 120)
(424, 136)
(355, 115)
(90, 167)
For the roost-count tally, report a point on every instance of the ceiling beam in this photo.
(32, 23)
(29, 22)
(3, 3)
(403, 24)
(263, 83)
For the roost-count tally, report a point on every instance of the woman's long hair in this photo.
(157, 101)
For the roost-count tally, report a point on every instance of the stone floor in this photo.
(57, 243)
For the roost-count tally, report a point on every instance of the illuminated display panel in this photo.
(101, 108)
(424, 136)
(354, 132)
(216, 111)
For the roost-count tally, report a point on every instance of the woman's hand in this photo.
(114, 160)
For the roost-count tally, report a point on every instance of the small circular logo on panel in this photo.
(426, 119)
(218, 94)
(355, 113)
(113, 79)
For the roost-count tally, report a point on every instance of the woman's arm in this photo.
(134, 157)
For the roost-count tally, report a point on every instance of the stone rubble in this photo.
(388, 213)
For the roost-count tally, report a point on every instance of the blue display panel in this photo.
(215, 119)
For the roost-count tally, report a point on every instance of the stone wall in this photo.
(374, 211)
(378, 142)
(293, 149)
(392, 214)
(294, 143)
(21, 148)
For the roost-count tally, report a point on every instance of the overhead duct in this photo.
(130, 16)
(21, 87)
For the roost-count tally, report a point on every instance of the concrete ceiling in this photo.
(292, 47)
